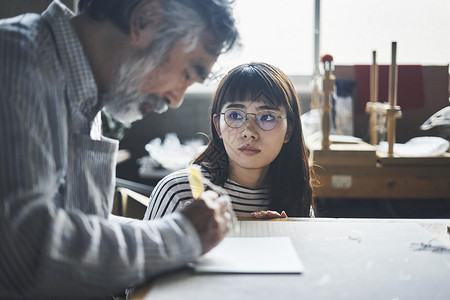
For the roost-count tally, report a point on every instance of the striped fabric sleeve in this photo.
(169, 195)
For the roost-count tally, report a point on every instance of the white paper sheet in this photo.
(251, 255)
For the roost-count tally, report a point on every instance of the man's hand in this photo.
(268, 214)
(210, 217)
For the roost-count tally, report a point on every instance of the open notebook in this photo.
(251, 255)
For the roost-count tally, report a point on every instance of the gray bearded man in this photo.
(58, 71)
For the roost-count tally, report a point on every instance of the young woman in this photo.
(257, 153)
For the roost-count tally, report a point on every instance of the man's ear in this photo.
(144, 19)
(216, 121)
(288, 134)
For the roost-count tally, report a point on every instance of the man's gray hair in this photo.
(183, 21)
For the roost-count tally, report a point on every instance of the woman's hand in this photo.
(268, 214)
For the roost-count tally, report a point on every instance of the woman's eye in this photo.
(234, 115)
(268, 117)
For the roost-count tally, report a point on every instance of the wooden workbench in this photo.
(358, 171)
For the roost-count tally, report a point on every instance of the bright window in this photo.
(281, 32)
(352, 29)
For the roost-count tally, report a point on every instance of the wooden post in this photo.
(389, 109)
(373, 98)
(328, 87)
(392, 101)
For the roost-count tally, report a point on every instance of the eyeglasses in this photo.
(266, 120)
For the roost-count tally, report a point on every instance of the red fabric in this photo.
(409, 86)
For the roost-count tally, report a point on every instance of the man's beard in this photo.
(124, 101)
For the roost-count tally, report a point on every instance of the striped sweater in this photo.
(172, 193)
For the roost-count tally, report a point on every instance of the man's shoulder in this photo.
(22, 28)
(28, 51)
(29, 74)
(27, 34)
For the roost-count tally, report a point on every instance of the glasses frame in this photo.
(246, 118)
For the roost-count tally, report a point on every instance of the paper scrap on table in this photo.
(251, 255)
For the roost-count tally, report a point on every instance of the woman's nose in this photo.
(250, 129)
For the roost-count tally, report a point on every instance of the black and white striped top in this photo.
(173, 191)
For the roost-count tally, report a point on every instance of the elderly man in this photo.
(129, 57)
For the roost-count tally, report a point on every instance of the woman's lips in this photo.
(248, 150)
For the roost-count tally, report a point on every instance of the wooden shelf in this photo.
(358, 171)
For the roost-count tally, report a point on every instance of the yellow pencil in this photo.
(195, 181)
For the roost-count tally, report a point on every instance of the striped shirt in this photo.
(173, 192)
(58, 239)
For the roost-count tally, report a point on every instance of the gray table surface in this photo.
(343, 258)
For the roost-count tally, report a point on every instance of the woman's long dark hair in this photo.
(289, 173)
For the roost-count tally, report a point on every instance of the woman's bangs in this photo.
(253, 88)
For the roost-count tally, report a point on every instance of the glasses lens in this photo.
(235, 118)
(266, 120)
